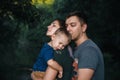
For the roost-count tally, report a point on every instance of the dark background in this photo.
(23, 27)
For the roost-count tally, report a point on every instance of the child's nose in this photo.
(61, 47)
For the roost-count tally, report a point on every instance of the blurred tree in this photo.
(22, 29)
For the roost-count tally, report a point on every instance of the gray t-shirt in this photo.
(90, 56)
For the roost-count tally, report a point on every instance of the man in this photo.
(87, 54)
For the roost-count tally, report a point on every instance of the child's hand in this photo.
(60, 74)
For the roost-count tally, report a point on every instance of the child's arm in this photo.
(53, 64)
(50, 74)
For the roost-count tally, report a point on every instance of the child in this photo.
(58, 41)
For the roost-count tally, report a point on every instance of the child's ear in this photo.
(53, 36)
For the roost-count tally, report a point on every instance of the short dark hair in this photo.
(81, 16)
(65, 32)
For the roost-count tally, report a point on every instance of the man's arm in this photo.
(85, 74)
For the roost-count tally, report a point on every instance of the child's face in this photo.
(59, 42)
(52, 28)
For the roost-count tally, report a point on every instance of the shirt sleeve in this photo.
(48, 54)
(88, 58)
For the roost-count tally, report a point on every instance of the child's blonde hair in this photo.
(65, 32)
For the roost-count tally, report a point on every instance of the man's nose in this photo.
(68, 28)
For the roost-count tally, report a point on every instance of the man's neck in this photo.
(81, 40)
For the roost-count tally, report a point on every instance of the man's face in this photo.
(74, 27)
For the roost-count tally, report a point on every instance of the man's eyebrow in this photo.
(73, 22)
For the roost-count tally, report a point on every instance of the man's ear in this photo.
(84, 27)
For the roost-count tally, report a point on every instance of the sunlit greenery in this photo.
(42, 3)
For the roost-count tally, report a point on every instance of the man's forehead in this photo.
(71, 19)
